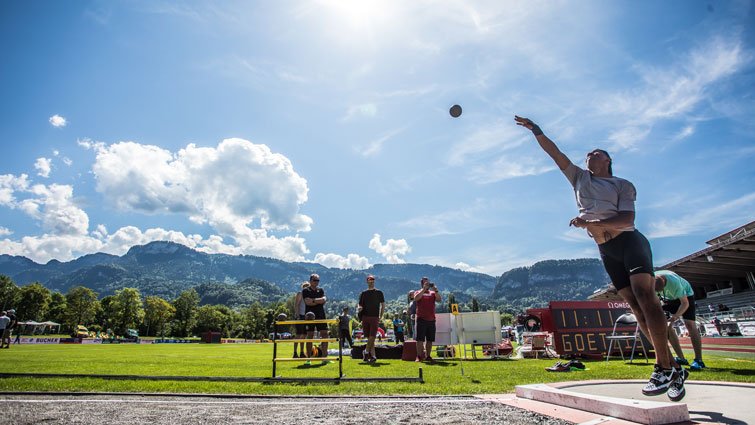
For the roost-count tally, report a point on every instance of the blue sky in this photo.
(319, 130)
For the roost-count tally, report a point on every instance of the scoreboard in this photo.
(581, 327)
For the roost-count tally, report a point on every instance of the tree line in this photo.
(126, 309)
(180, 317)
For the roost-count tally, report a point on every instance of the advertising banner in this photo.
(711, 330)
(747, 328)
(39, 340)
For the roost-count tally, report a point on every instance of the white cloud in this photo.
(100, 232)
(292, 77)
(65, 247)
(43, 166)
(90, 144)
(351, 261)
(241, 189)
(66, 160)
(57, 121)
(451, 222)
(673, 91)
(466, 267)
(368, 110)
(374, 147)
(4, 231)
(9, 184)
(391, 250)
(413, 92)
(124, 238)
(231, 188)
(486, 155)
(506, 167)
(726, 215)
(54, 206)
(48, 246)
(627, 137)
(685, 132)
(487, 141)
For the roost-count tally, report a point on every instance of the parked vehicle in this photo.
(81, 331)
(132, 335)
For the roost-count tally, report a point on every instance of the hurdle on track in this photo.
(276, 341)
(340, 377)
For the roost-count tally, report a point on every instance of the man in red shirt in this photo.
(426, 298)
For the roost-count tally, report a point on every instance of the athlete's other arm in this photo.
(683, 306)
(621, 220)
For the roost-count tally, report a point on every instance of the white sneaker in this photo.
(660, 381)
(676, 390)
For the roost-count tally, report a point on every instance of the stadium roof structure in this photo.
(730, 257)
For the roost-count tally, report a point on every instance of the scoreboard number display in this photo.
(581, 327)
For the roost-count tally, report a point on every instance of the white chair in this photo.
(627, 319)
(537, 343)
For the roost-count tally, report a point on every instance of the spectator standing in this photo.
(301, 329)
(4, 328)
(717, 324)
(681, 305)
(371, 308)
(425, 299)
(398, 329)
(412, 315)
(405, 318)
(311, 351)
(314, 298)
(13, 324)
(344, 328)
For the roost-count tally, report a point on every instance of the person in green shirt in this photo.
(680, 303)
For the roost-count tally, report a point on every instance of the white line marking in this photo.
(265, 402)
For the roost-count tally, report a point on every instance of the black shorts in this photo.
(673, 305)
(425, 330)
(317, 326)
(301, 329)
(627, 254)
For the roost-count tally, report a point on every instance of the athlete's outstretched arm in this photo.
(547, 144)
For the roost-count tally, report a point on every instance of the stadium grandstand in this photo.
(722, 276)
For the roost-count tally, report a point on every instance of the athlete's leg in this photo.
(694, 336)
(673, 339)
(652, 315)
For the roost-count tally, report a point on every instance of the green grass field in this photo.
(254, 360)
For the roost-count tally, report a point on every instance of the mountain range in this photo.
(166, 269)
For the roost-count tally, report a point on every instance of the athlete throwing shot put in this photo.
(606, 211)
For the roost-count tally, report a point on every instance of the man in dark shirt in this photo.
(370, 309)
(344, 328)
(314, 298)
